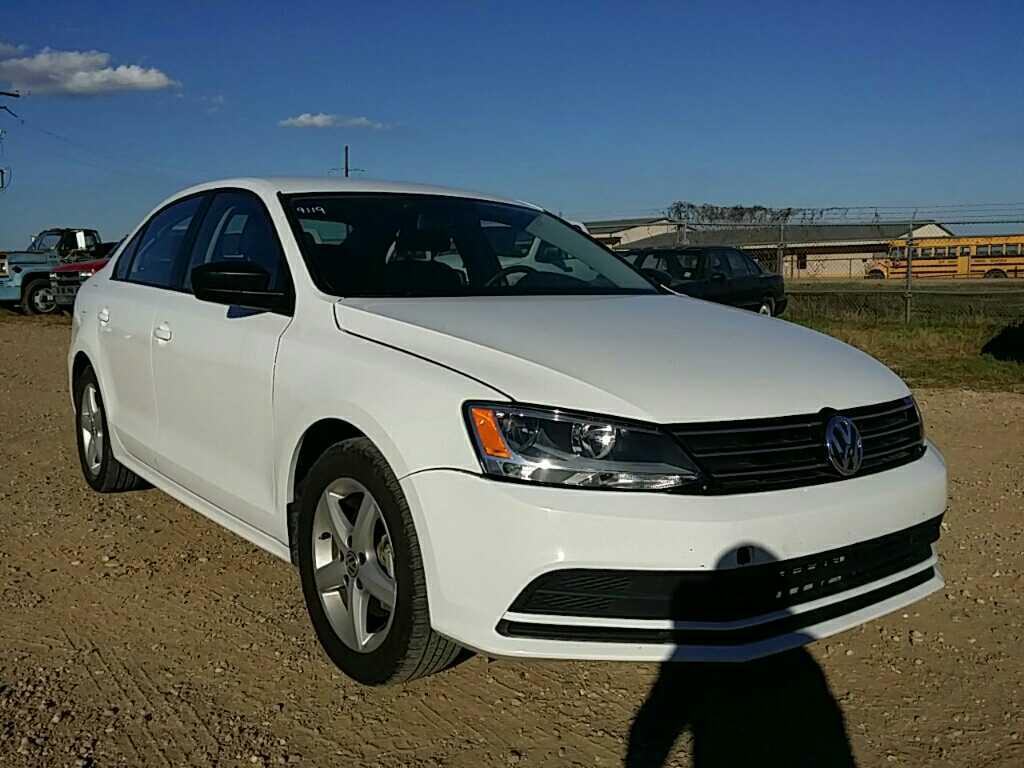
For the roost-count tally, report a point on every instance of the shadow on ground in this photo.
(776, 711)
(1007, 345)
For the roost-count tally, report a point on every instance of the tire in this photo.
(767, 307)
(37, 298)
(876, 274)
(102, 471)
(400, 644)
(996, 274)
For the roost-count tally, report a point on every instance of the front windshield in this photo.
(47, 241)
(394, 245)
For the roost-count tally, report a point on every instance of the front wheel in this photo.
(362, 572)
(37, 298)
(767, 306)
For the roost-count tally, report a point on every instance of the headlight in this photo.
(558, 448)
(86, 274)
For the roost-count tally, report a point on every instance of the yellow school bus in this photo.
(953, 257)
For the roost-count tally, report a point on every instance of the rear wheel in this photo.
(37, 298)
(995, 274)
(876, 274)
(362, 572)
(102, 471)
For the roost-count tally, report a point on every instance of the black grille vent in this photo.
(769, 454)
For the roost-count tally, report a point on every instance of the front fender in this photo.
(409, 407)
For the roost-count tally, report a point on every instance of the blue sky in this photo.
(591, 109)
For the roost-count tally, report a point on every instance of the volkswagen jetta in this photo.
(470, 425)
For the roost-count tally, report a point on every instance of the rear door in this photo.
(213, 369)
(144, 271)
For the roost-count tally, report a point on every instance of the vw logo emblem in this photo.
(843, 445)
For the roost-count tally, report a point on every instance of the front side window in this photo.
(158, 257)
(237, 227)
(391, 245)
(719, 265)
(738, 263)
(47, 241)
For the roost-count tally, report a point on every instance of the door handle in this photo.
(103, 316)
(162, 332)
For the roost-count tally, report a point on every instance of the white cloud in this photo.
(77, 73)
(324, 120)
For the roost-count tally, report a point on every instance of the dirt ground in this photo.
(135, 632)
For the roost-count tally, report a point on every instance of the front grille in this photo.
(784, 625)
(727, 594)
(787, 452)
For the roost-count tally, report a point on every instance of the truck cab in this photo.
(25, 275)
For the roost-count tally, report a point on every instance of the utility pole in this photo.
(910, 270)
(346, 161)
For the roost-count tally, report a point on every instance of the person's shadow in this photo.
(776, 711)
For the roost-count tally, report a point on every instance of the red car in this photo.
(66, 279)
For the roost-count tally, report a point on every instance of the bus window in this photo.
(983, 250)
(914, 253)
(997, 250)
(898, 253)
(965, 250)
(926, 253)
(940, 253)
(1012, 249)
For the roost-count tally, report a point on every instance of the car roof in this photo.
(291, 185)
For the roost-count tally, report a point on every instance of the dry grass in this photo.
(932, 355)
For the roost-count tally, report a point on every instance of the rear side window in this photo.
(237, 227)
(158, 257)
(124, 261)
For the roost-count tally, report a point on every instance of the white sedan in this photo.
(470, 425)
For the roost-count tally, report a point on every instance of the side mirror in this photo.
(238, 283)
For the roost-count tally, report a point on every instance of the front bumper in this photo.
(483, 542)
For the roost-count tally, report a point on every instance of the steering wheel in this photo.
(506, 271)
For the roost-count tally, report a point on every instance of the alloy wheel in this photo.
(353, 562)
(91, 424)
(43, 301)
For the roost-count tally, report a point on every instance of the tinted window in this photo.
(719, 264)
(91, 241)
(237, 227)
(753, 265)
(420, 245)
(124, 261)
(158, 258)
(738, 263)
(684, 265)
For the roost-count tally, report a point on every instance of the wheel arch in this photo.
(79, 363)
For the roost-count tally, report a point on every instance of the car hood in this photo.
(656, 358)
(82, 266)
(31, 257)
